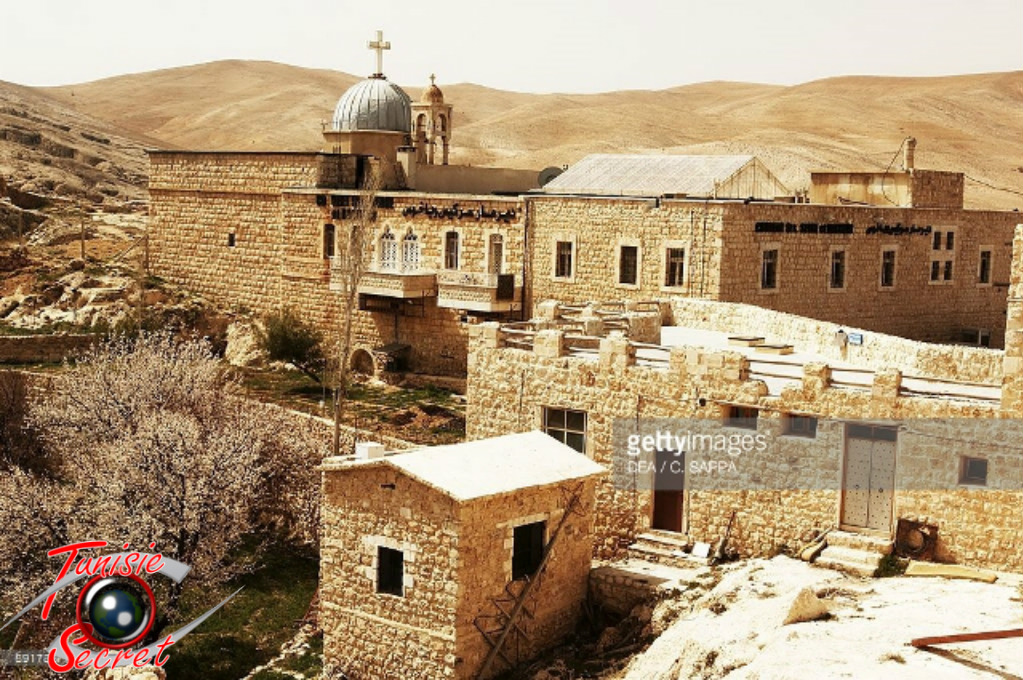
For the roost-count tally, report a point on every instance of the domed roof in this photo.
(432, 94)
(374, 104)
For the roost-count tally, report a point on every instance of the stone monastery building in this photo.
(893, 252)
(599, 305)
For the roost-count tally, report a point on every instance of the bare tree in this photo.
(347, 271)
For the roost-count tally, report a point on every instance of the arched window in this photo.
(443, 123)
(388, 251)
(410, 252)
(421, 126)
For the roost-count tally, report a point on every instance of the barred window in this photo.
(563, 260)
(674, 267)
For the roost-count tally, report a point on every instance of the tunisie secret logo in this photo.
(114, 611)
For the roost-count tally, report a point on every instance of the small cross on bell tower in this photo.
(379, 45)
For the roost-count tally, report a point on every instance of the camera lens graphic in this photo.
(117, 611)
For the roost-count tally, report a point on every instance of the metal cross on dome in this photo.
(379, 46)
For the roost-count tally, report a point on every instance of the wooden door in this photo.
(669, 487)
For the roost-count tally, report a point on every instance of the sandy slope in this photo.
(971, 123)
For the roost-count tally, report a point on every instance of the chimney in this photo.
(369, 450)
(907, 161)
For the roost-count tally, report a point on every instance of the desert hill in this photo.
(969, 123)
(48, 149)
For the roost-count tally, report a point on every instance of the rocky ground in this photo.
(782, 619)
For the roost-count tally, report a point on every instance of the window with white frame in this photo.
(388, 251)
(836, 274)
(888, 256)
(567, 426)
(451, 250)
(984, 266)
(628, 265)
(564, 259)
(674, 267)
(410, 252)
(943, 243)
(496, 253)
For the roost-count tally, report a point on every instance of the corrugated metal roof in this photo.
(646, 175)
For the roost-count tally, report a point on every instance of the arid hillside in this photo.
(50, 149)
(969, 123)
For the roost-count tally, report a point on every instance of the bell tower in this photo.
(431, 126)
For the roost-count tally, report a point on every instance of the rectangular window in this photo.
(231, 240)
(527, 549)
(744, 417)
(984, 271)
(973, 471)
(801, 426)
(628, 265)
(950, 240)
(451, 250)
(674, 267)
(769, 269)
(936, 244)
(563, 260)
(329, 240)
(390, 571)
(888, 268)
(568, 427)
(837, 280)
(948, 270)
(936, 270)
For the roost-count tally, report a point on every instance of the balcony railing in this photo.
(393, 283)
(476, 291)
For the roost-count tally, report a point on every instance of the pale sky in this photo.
(523, 45)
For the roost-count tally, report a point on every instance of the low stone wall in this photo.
(781, 494)
(29, 349)
(919, 359)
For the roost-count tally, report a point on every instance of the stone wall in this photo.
(485, 570)
(233, 227)
(789, 491)
(247, 172)
(370, 635)
(457, 558)
(914, 307)
(971, 364)
(599, 226)
(724, 242)
(937, 189)
(26, 349)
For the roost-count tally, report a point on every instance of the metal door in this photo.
(869, 477)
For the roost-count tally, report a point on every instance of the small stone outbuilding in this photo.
(433, 558)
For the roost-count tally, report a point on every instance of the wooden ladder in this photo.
(512, 606)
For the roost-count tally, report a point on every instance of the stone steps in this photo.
(662, 547)
(852, 553)
(865, 542)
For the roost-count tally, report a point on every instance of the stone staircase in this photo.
(663, 547)
(852, 553)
